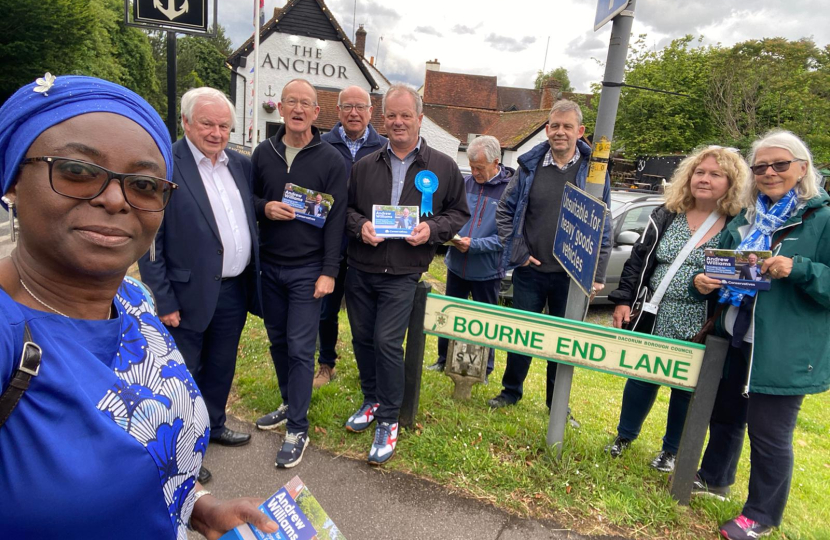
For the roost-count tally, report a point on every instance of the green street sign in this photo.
(668, 362)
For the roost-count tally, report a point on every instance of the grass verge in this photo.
(501, 456)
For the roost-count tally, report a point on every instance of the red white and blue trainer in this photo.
(383, 448)
(743, 528)
(363, 418)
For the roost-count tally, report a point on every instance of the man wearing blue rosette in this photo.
(383, 273)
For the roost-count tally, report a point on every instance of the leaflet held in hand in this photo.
(738, 268)
(394, 221)
(298, 514)
(309, 206)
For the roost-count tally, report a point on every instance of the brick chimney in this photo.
(550, 93)
(360, 40)
(433, 65)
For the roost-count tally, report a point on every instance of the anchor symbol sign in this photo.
(170, 10)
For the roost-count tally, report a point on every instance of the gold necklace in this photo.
(41, 302)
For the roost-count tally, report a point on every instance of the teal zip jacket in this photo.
(791, 352)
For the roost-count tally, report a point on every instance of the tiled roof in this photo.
(518, 99)
(460, 90)
(510, 128)
(327, 99)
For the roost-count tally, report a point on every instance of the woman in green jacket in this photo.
(779, 351)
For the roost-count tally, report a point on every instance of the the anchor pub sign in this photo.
(184, 15)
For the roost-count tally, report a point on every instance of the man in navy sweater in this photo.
(299, 261)
(354, 137)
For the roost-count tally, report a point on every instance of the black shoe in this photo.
(664, 462)
(617, 447)
(204, 476)
(700, 487)
(500, 401)
(437, 366)
(230, 437)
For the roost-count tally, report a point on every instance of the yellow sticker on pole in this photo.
(599, 161)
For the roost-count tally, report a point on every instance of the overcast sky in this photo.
(508, 38)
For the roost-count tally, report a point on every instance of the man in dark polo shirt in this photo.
(527, 219)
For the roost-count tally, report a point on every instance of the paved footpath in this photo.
(367, 503)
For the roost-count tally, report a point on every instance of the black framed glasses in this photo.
(359, 107)
(78, 179)
(778, 166)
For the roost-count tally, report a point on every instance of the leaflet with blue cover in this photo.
(298, 514)
(738, 268)
(309, 206)
(394, 221)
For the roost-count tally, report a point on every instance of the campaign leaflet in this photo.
(298, 514)
(738, 268)
(309, 206)
(394, 221)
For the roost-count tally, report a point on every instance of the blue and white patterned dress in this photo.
(107, 441)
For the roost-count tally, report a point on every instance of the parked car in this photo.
(630, 210)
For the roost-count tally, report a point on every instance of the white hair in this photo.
(807, 186)
(486, 145)
(199, 95)
(419, 103)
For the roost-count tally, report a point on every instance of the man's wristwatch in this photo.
(199, 494)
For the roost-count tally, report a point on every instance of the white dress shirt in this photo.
(228, 210)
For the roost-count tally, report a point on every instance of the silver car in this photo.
(630, 210)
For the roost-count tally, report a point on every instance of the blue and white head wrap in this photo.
(47, 102)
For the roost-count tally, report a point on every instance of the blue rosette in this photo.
(427, 183)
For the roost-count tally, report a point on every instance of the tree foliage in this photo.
(89, 37)
(733, 95)
(559, 74)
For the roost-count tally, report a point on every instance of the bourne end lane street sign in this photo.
(659, 360)
(607, 10)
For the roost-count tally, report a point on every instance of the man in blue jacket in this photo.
(354, 137)
(527, 219)
(474, 260)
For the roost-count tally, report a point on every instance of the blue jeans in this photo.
(329, 315)
(531, 291)
(482, 291)
(379, 310)
(291, 315)
(770, 421)
(638, 398)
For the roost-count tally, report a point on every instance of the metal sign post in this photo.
(577, 305)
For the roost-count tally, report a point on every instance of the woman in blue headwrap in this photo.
(102, 430)
(779, 348)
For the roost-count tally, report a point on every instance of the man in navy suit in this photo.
(751, 271)
(206, 269)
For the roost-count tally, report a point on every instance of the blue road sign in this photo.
(607, 10)
(579, 235)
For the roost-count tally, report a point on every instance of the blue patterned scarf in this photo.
(760, 236)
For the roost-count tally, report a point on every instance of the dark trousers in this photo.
(531, 291)
(481, 291)
(210, 356)
(638, 398)
(770, 421)
(292, 315)
(379, 306)
(329, 313)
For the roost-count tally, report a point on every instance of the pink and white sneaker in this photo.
(743, 528)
